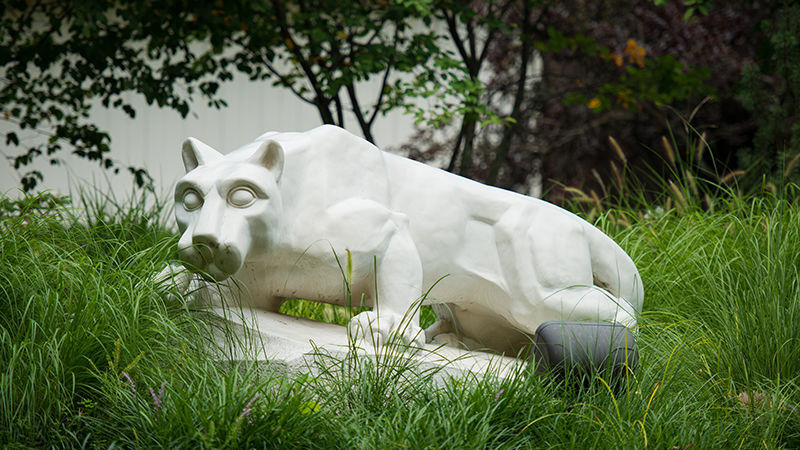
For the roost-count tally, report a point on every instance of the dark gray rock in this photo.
(584, 348)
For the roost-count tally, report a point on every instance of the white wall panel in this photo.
(152, 140)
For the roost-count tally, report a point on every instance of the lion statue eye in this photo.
(192, 200)
(241, 197)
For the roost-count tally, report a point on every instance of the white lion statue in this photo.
(281, 216)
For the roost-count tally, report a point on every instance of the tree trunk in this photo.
(469, 143)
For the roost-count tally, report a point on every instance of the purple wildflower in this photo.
(130, 382)
(157, 398)
(497, 396)
(246, 413)
(247, 410)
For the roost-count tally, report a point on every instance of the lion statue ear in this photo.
(196, 153)
(269, 155)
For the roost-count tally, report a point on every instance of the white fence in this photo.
(152, 140)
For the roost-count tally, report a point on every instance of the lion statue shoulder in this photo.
(277, 217)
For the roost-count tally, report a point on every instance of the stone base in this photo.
(300, 345)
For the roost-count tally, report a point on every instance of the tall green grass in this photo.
(712, 253)
(80, 317)
(85, 335)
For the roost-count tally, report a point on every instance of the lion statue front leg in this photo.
(387, 269)
(398, 297)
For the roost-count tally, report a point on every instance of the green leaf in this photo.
(11, 138)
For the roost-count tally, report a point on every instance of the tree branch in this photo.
(501, 152)
(456, 148)
(351, 91)
(452, 27)
(339, 111)
(271, 68)
(321, 101)
(384, 83)
(493, 31)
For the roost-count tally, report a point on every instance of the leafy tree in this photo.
(738, 99)
(322, 49)
(606, 81)
(770, 89)
(604, 68)
(474, 31)
(58, 58)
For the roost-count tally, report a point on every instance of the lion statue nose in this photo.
(228, 259)
(207, 254)
(191, 256)
(206, 245)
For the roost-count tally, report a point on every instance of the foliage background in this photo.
(522, 94)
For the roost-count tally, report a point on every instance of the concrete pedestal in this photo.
(300, 345)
